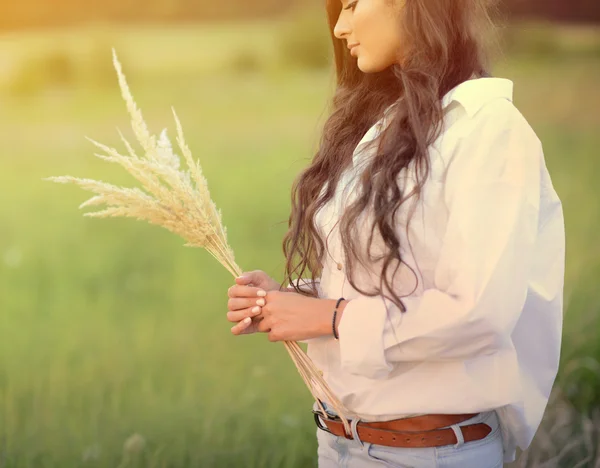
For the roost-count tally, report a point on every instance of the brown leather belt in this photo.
(418, 431)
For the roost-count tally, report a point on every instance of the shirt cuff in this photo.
(361, 341)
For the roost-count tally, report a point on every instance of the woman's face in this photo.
(374, 25)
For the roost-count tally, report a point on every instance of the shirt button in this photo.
(339, 266)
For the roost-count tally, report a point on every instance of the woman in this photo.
(430, 220)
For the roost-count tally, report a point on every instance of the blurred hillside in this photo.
(42, 13)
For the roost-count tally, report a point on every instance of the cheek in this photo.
(379, 38)
(378, 54)
(389, 38)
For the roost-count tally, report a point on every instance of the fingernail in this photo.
(242, 277)
(256, 310)
(261, 293)
(247, 320)
(261, 302)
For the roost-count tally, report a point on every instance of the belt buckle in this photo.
(318, 413)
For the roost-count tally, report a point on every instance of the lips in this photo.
(351, 46)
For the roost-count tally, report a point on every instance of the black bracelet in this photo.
(335, 335)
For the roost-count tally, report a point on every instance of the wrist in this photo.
(325, 315)
(338, 317)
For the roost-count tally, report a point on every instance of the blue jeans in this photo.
(339, 452)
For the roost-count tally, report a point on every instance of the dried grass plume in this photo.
(180, 201)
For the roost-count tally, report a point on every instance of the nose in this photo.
(342, 28)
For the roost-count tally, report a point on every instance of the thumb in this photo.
(244, 278)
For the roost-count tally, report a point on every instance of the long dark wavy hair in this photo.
(446, 42)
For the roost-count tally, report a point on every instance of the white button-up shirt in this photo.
(483, 324)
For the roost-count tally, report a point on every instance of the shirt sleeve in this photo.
(491, 194)
(306, 283)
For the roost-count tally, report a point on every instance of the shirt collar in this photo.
(472, 95)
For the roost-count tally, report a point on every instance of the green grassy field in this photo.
(110, 328)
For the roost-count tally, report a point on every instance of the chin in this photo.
(366, 67)
(363, 65)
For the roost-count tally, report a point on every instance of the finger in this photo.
(264, 326)
(245, 291)
(239, 303)
(246, 327)
(239, 328)
(245, 278)
(253, 327)
(239, 315)
(242, 281)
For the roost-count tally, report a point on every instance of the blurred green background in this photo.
(114, 347)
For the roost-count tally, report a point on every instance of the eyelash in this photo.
(351, 6)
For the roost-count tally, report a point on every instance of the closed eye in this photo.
(351, 6)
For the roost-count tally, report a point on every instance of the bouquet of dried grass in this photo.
(179, 201)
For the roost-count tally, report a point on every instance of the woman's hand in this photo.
(259, 279)
(243, 297)
(289, 316)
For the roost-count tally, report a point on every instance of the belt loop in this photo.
(354, 430)
(459, 435)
